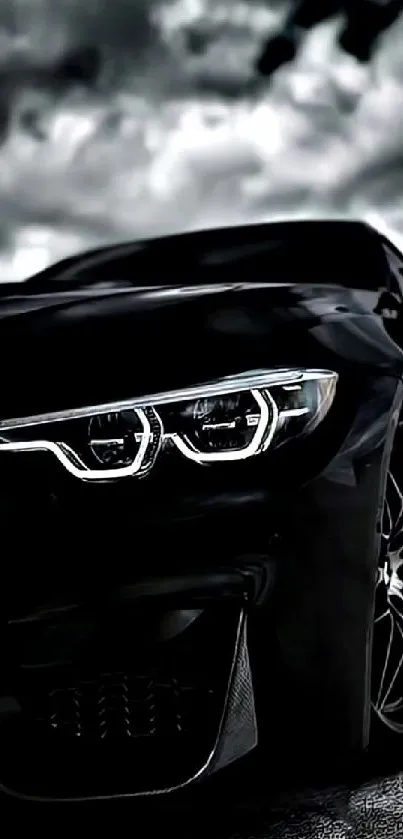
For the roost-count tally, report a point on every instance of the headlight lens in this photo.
(230, 419)
(226, 427)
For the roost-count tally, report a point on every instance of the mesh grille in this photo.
(123, 705)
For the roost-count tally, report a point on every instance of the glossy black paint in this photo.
(324, 596)
(188, 309)
(183, 311)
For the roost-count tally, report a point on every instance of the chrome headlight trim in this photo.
(220, 387)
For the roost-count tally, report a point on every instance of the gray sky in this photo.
(147, 152)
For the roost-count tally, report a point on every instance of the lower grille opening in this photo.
(118, 712)
(121, 706)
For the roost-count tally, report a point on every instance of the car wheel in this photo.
(387, 665)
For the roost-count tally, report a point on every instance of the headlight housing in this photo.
(228, 420)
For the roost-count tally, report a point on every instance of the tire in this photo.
(387, 663)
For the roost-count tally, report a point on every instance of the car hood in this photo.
(169, 313)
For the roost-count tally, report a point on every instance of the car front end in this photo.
(193, 471)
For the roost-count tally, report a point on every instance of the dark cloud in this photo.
(117, 122)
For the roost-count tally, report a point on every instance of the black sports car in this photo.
(202, 511)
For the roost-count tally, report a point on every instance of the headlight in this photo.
(231, 419)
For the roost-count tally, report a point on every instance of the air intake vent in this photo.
(124, 706)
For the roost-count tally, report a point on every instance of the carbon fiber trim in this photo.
(238, 732)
